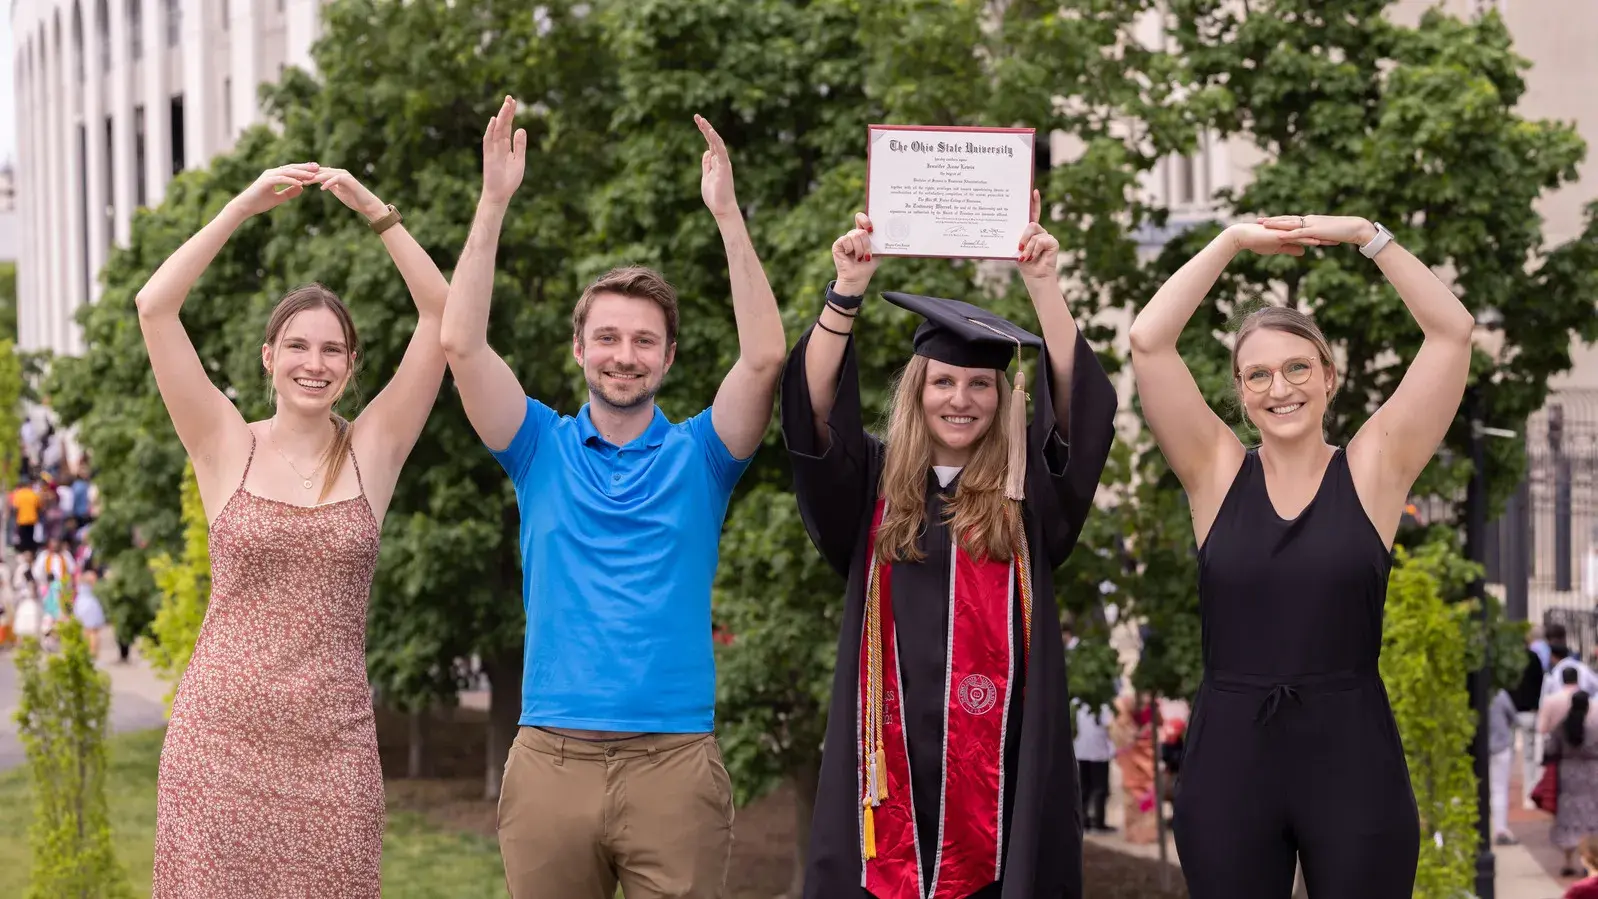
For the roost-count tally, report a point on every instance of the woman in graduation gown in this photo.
(948, 770)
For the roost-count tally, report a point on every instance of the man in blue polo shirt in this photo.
(615, 775)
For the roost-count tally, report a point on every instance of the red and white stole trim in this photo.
(981, 667)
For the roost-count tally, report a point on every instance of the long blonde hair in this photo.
(977, 512)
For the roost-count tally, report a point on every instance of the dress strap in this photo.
(246, 475)
(357, 463)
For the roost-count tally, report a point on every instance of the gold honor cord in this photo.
(873, 759)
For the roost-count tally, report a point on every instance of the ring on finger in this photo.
(1301, 223)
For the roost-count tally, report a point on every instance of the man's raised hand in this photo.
(715, 173)
(504, 155)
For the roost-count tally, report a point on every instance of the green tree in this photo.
(8, 300)
(10, 414)
(185, 586)
(61, 718)
(1424, 663)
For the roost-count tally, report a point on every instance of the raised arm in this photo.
(1197, 445)
(835, 462)
(388, 427)
(742, 407)
(1393, 447)
(206, 421)
(1072, 436)
(851, 256)
(494, 400)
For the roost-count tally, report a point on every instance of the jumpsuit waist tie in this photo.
(1279, 688)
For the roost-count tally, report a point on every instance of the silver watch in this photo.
(1383, 238)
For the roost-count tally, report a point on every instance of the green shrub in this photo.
(1425, 660)
(62, 721)
(185, 587)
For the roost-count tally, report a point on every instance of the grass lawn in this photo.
(420, 861)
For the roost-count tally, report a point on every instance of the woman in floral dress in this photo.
(270, 783)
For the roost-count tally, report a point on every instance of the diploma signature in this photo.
(991, 232)
(955, 231)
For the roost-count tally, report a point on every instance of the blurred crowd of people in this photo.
(49, 571)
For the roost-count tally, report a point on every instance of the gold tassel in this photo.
(870, 832)
(882, 773)
(1015, 470)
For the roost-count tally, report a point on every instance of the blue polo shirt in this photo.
(619, 547)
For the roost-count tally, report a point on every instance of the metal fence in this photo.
(1544, 550)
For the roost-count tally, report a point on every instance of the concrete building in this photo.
(114, 97)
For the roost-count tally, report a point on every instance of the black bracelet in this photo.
(843, 312)
(831, 330)
(843, 301)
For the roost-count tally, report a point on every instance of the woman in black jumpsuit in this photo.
(1293, 754)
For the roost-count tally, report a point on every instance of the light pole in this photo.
(1488, 336)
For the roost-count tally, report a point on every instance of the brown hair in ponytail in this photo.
(317, 296)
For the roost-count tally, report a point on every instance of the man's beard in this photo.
(626, 402)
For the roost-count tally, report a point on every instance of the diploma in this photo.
(945, 191)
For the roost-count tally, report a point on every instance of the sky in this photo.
(8, 103)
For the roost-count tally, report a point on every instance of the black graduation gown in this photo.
(837, 494)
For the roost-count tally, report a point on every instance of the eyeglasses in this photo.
(1297, 370)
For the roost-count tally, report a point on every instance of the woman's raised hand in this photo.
(1039, 250)
(275, 187)
(1268, 241)
(851, 255)
(350, 192)
(1322, 230)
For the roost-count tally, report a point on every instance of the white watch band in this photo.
(1382, 239)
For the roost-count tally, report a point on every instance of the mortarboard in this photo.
(962, 334)
(972, 337)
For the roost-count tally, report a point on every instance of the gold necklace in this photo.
(305, 480)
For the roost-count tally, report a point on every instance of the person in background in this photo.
(1094, 750)
(1527, 696)
(1538, 639)
(25, 513)
(1587, 887)
(1562, 658)
(87, 609)
(1501, 748)
(1574, 742)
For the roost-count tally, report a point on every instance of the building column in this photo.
(302, 26)
(58, 198)
(157, 104)
(120, 105)
(244, 64)
(75, 292)
(199, 94)
(94, 107)
(26, 265)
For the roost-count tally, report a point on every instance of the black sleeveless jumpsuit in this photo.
(1293, 750)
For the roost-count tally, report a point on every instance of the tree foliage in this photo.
(1424, 663)
(8, 301)
(10, 413)
(185, 585)
(61, 717)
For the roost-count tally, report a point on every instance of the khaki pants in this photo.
(653, 813)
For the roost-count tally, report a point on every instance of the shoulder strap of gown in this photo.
(244, 477)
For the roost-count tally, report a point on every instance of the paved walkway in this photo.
(137, 695)
(1527, 871)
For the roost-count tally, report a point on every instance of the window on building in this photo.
(136, 29)
(102, 27)
(139, 198)
(227, 106)
(176, 118)
(1183, 182)
(110, 211)
(226, 14)
(174, 22)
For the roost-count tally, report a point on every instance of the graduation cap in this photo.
(972, 337)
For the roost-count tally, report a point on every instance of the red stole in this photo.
(982, 661)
